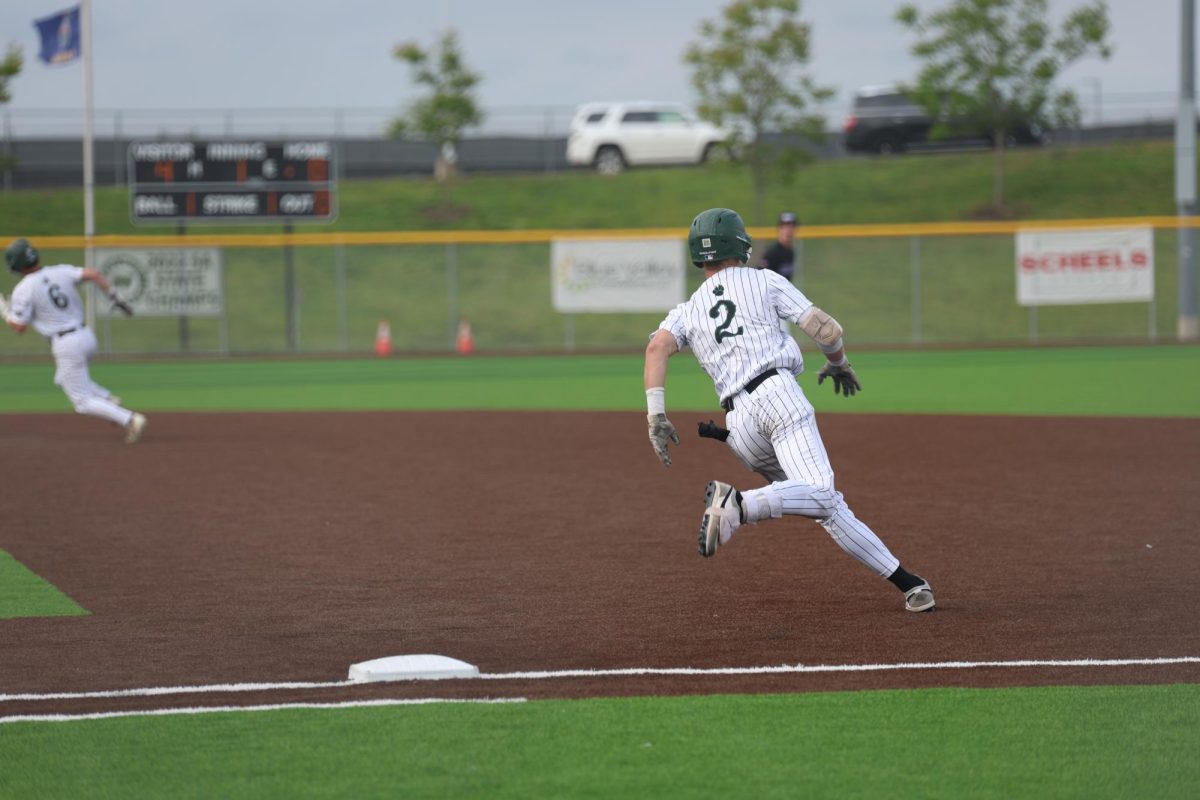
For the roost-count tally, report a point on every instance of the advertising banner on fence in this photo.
(165, 282)
(1109, 265)
(605, 276)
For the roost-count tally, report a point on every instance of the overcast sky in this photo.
(277, 54)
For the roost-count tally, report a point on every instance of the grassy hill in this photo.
(1060, 182)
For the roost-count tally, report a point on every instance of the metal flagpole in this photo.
(1187, 326)
(89, 166)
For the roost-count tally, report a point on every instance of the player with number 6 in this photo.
(47, 299)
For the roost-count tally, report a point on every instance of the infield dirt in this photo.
(232, 548)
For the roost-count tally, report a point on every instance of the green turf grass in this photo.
(24, 594)
(1094, 742)
(1118, 381)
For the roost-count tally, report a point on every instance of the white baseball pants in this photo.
(71, 354)
(773, 431)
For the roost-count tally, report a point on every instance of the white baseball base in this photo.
(412, 668)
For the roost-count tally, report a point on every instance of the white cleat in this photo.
(133, 431)
(919, 598)
(722, 516)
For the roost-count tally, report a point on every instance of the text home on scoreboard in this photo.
(220, 182)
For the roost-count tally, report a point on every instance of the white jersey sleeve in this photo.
(731, 323)
(790, 301)
(48, 300)
(675, 324)
(21, 304)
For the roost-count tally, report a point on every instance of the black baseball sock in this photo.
(905, 580)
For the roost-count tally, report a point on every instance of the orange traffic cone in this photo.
(383, 338)
(465, 344)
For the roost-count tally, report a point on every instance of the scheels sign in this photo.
(1086, 261)
(1107, 265)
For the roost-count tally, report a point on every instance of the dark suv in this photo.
(887, 121)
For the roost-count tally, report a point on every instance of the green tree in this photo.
(10, 68)
(991, 64)
(449, 108)
(748, 71)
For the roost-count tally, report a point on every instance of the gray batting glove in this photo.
(661, 431)
(845, 382)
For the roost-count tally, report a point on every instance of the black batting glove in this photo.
(711, 430)
(119, 302)
(845, 382)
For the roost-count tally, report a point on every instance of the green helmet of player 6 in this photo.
(21, 255)
(716, 235)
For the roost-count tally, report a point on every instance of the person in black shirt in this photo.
(781, 256)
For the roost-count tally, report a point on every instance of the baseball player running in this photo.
(46, 298)
(732, 325)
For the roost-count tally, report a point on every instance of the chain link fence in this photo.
(887, 290)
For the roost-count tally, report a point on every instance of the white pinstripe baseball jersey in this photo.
(732, 325)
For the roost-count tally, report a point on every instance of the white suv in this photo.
(612, 136)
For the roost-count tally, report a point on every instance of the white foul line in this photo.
(222, 688)
(802, 668)
(158, 712)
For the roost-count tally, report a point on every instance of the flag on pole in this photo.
(60, 36)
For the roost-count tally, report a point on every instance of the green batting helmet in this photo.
(21, 255)
(716, 235)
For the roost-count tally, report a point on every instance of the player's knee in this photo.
(829, 501)
(79, 399)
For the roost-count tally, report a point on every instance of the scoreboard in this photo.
(219, 182)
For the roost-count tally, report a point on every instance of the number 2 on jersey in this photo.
(729, 309)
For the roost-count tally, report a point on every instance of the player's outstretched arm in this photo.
(97, 277)
(654, 377)
(827, 333)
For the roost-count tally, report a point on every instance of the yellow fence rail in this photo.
(541, 236)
